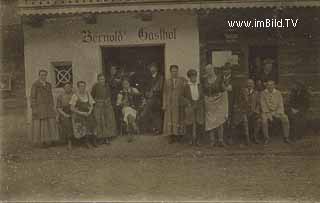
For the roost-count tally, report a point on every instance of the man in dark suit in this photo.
(151, 115)
(298, 105)
(249, 105)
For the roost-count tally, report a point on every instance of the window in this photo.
(63, 73)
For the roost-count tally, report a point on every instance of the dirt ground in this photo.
(149, 169)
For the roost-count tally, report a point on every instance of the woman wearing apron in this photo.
(83, 120)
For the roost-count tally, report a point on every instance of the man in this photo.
(172, 105)
(249, 108)
(116, 75)
(272, 108)
(194, 107)
(268, 72)
(298, 105)
(152, 115)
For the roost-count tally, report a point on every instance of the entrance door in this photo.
(134, 60)
(258, 57)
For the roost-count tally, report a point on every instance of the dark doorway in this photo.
(134, 63)
(134, 60)
(258, 57)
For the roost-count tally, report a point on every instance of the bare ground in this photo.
(150, 169)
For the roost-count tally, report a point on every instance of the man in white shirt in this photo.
(194, 107)
(272, 108)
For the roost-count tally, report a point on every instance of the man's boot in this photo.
(69, 145)
(87, 142)
(94, 141)
(212, 138)
(247, 142)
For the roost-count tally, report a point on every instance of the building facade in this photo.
(75, 40)
(11, 52)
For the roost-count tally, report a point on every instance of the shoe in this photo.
(255, 141)
(88, 145)
(69, 145)
(222, 144)
(213, 144)
(94, 143)
(171, 139)
(107, 141)
(130, 139)
(266, 142)
(286, 140)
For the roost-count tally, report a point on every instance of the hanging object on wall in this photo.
(33, 21)
(90, 18)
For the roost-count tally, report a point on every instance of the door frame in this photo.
(163, 45)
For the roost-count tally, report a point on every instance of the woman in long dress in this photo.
(64, 114)
(44, 128)
(216, 105)
(82, 118)
(103, 110)
(173, 105)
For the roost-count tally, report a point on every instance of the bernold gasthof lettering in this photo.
(161, 34)
(116, 36)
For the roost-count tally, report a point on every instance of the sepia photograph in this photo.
(160, 101)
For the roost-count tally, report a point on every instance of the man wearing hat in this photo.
(298, 105)
(194, 107)
(268, 71)
(152, 113)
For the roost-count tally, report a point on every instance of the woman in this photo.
(127, 101)
(82, 117)
(64, 114)
(216, 105)
(173, 105)
(44, 129)
(103, 110)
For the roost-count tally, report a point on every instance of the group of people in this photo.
(177, 107)
(96, 116)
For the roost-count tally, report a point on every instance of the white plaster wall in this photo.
(60, 39)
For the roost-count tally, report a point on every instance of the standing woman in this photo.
(64, 113)
(216, 105)
(44, 129)
(103, 110)
(82, 118)
(173, 105)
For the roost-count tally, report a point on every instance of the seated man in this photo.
(272, 108)
(249, 107)
(127, 101)
(298, 105)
